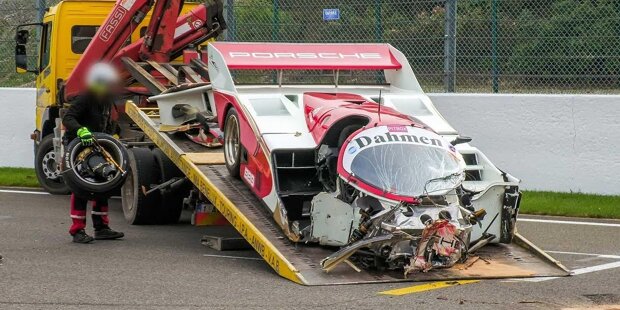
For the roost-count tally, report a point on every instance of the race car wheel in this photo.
(47, 168)
(140, 209)
(232, 143)
(79, 173)
(171, 203)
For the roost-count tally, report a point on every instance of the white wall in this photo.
(17, 113)
(551, 142)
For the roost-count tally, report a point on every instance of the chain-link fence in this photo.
(522, 46)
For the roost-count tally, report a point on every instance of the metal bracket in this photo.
(225, 243)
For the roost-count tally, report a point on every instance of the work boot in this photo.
(108, 234)
(82, 237)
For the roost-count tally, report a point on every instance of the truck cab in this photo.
(57, 43)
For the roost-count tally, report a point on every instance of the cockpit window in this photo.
(404, 161)
(406, 169)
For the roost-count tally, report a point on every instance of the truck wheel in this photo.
(47, 168)
(138, 208)
(171, 203)
(232, 143)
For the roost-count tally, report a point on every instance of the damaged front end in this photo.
(414, 214)
(407, 237)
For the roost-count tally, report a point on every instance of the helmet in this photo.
(101, 77)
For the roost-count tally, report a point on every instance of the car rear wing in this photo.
(226, 56)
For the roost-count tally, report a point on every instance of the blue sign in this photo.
(331, 14)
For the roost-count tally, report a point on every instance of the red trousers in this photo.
(99, 213)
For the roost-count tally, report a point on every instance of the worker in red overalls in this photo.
(92, 112)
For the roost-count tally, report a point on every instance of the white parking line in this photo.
(575, 272)
(586, 254)
(11, 191)
(569, 222)
(595, 268)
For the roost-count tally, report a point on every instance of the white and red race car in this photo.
(372, 169)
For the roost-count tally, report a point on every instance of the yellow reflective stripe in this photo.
(426, 287)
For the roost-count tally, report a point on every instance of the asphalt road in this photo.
(165, 267)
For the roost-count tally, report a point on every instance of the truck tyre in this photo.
(87, 187)
(232, 143)
(47, 168)
(171, 203)
(138, 208)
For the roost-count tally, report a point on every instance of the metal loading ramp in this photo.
(300, 262)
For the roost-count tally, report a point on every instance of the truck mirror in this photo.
(21, 38)
(21, 59)
(22, 45)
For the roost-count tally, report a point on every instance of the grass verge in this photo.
(20, 177)
(534, 202)
(570, 204)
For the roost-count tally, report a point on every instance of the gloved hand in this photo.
(85, 135)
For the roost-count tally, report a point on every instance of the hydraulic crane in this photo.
(165, 38)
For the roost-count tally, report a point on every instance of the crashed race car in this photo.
(373, 171)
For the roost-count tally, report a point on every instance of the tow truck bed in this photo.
(300, 262)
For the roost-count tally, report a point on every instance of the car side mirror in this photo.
(461, 140)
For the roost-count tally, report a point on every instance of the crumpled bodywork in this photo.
(441, 246)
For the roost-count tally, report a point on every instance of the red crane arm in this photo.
(165, 38)
(200, 24)
(156, 45)
(122, 21)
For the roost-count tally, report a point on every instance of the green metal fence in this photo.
(506, 46)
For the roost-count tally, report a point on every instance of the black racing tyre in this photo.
(47, 168)
(138, 208)
(232, 142)
(171, 203)
(88, 188)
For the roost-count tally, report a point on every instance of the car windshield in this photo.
(408, 169)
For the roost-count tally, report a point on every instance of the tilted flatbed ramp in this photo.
(299, 262)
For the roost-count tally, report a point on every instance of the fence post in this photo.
(230, 20)
(449, 67)
(378, 21)
(41, 6)
(275, 30)
(494, 34)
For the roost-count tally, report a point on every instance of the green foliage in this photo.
(542, 45)
(577, 42)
